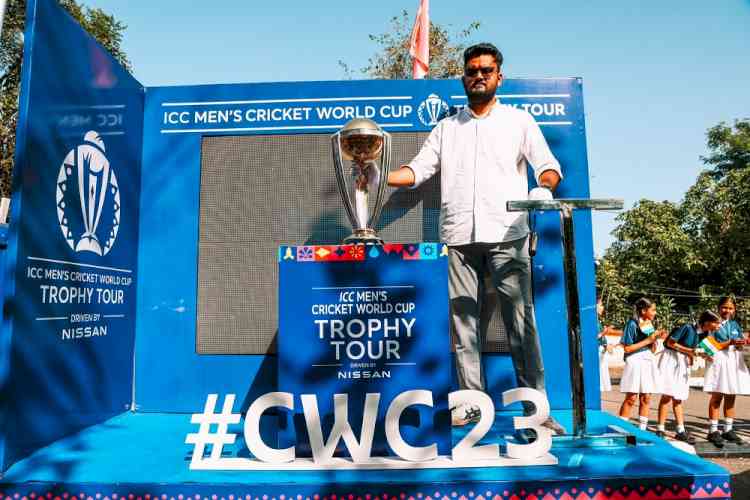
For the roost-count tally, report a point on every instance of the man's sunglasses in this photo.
(473, 72)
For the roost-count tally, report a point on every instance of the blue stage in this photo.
(145, 455)
(102, 361)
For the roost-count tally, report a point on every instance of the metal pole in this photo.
(574, 322)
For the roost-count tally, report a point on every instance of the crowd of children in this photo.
(717, 338)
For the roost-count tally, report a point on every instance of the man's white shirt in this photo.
(483, 163)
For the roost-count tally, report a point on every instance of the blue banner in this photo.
(357, 319)
(72, 257)
(326, 106)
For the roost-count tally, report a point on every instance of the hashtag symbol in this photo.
(218, 438)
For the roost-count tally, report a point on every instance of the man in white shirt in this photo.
(482, 153)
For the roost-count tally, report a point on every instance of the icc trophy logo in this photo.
(88, 197)
(432, 110)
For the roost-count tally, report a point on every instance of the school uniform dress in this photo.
(673, 365)
(641, 373)
(727, 372)
(605, 384)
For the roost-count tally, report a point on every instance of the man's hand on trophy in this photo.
(540, 193)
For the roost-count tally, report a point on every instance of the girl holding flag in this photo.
(726, 374)
(674, 367)
(641, 375)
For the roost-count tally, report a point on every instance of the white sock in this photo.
(662, 428)
(714, 426)
(643, 423)
(728, 424)
(680, 428)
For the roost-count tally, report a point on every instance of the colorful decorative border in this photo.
(716, 488)
(353, 253)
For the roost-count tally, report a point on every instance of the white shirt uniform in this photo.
(727, 371)
(483, 161)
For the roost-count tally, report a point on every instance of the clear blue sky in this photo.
(656, 74)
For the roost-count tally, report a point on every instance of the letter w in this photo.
(323, 451)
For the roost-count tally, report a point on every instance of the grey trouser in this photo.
(509, 265)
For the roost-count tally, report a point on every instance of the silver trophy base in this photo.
(363, 237)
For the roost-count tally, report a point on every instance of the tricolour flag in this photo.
(710, 346)
(419, 44)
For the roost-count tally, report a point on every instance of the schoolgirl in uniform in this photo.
(726, 375)
(641, 376)
(674, 367)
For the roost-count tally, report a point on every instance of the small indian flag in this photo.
(710, 346)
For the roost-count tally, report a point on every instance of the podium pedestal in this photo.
(357, 319)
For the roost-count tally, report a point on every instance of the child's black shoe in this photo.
(732, 437)
(716, 439)
(685, 437)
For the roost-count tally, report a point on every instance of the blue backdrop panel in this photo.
(175, 120)
(356, 320)
(69, 320)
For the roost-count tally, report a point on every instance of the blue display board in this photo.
(357, 319)
(96, 241)
(69, 315)
(177, 118)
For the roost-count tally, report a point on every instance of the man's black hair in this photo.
(482, 49)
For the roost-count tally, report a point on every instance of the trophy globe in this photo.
(361, 160)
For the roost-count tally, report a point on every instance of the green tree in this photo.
(652, 256)
(717, 209)
(615, 294)
(652, 246)
(392, 61)
(689, 252)
(730, 148)
(105, 28)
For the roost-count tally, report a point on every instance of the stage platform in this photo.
(142, 456)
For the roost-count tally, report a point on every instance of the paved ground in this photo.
(696, 420)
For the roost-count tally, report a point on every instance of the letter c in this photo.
(252, 428)
(393, 434)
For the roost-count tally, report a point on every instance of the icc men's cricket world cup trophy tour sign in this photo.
(360, 319)
(80, 294)
(77, 281)
(69, 314)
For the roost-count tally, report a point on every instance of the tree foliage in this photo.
(689, 252)
(730, 148)
(105, 28)
(393, 61)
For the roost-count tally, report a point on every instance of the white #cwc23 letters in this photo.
(464, 452)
